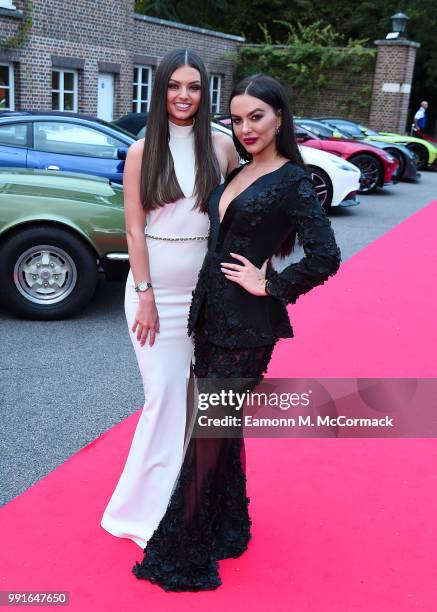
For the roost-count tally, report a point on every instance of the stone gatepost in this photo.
(392, 85)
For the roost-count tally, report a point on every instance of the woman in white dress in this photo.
(168, 177)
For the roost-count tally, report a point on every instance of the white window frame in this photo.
(61, 89)
(137, 100)
(215, 86)
(10, 86)
(7, 4)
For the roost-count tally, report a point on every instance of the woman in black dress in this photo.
(237, 314)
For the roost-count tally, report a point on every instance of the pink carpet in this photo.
(338, 525)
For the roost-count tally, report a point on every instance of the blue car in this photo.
(61, 141)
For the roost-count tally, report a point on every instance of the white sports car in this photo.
(335, 179)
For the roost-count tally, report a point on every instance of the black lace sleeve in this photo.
(322, 255)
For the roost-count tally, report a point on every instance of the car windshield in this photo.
(368, 131)
(321, 130)
(356, 130)
(114, 126)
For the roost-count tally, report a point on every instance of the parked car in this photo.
(58, 141)
(407, 168)
(336, 180)
(58, 230)
(377, 167)
(425, 152)
(132, 123)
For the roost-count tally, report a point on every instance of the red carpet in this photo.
(339, 525)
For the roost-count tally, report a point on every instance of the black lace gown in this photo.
(207, 518)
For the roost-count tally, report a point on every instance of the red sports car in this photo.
(377, 166)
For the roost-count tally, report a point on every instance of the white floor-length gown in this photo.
(155, 457)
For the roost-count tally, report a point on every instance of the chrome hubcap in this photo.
(45, 274)
(321, 187)
(369, 173)
(416, 158)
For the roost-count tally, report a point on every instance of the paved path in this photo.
(63, 383)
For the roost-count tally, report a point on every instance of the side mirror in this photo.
(122, 152)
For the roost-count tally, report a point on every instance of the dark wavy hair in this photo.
(271, 92)
(158, 183)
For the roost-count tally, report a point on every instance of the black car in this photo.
(418, 151)
(407, 169)
(134, 123)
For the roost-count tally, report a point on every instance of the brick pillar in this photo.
(392, 84)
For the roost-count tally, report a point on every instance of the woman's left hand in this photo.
(246, 274)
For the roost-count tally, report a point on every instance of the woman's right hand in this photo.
(146, 319)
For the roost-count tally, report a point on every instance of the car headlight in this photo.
(344, 165)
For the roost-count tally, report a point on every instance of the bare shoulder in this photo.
(136, 149)
(226, 152)
(222, 141)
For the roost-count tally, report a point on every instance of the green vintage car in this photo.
(58, 231)
(424, 151)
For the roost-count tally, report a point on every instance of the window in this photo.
(64, 90)
(6, 87)
(142, 89)
(215, 85)
(14, 134)
(74, 139)
(349, 127)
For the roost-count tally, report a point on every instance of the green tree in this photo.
(369, 19)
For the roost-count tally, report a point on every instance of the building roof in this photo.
(184, 26)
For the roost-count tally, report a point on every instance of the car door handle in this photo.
(52, 167)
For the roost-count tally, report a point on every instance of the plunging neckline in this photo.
(245, 189)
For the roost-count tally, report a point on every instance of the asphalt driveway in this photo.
(63, 383)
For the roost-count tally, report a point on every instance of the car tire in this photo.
(399, 173)
(372, 172)
(47, 273)
(420, 154)
(323, 186)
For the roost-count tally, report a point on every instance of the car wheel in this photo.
(47, 273)
(372, 173)
(399, 172)
(323, 186)
(420, 154)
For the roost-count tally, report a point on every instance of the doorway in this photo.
(105, 96)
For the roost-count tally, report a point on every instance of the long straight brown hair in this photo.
(159, 184)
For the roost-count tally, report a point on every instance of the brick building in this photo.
(98, 57)
(392, 84)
